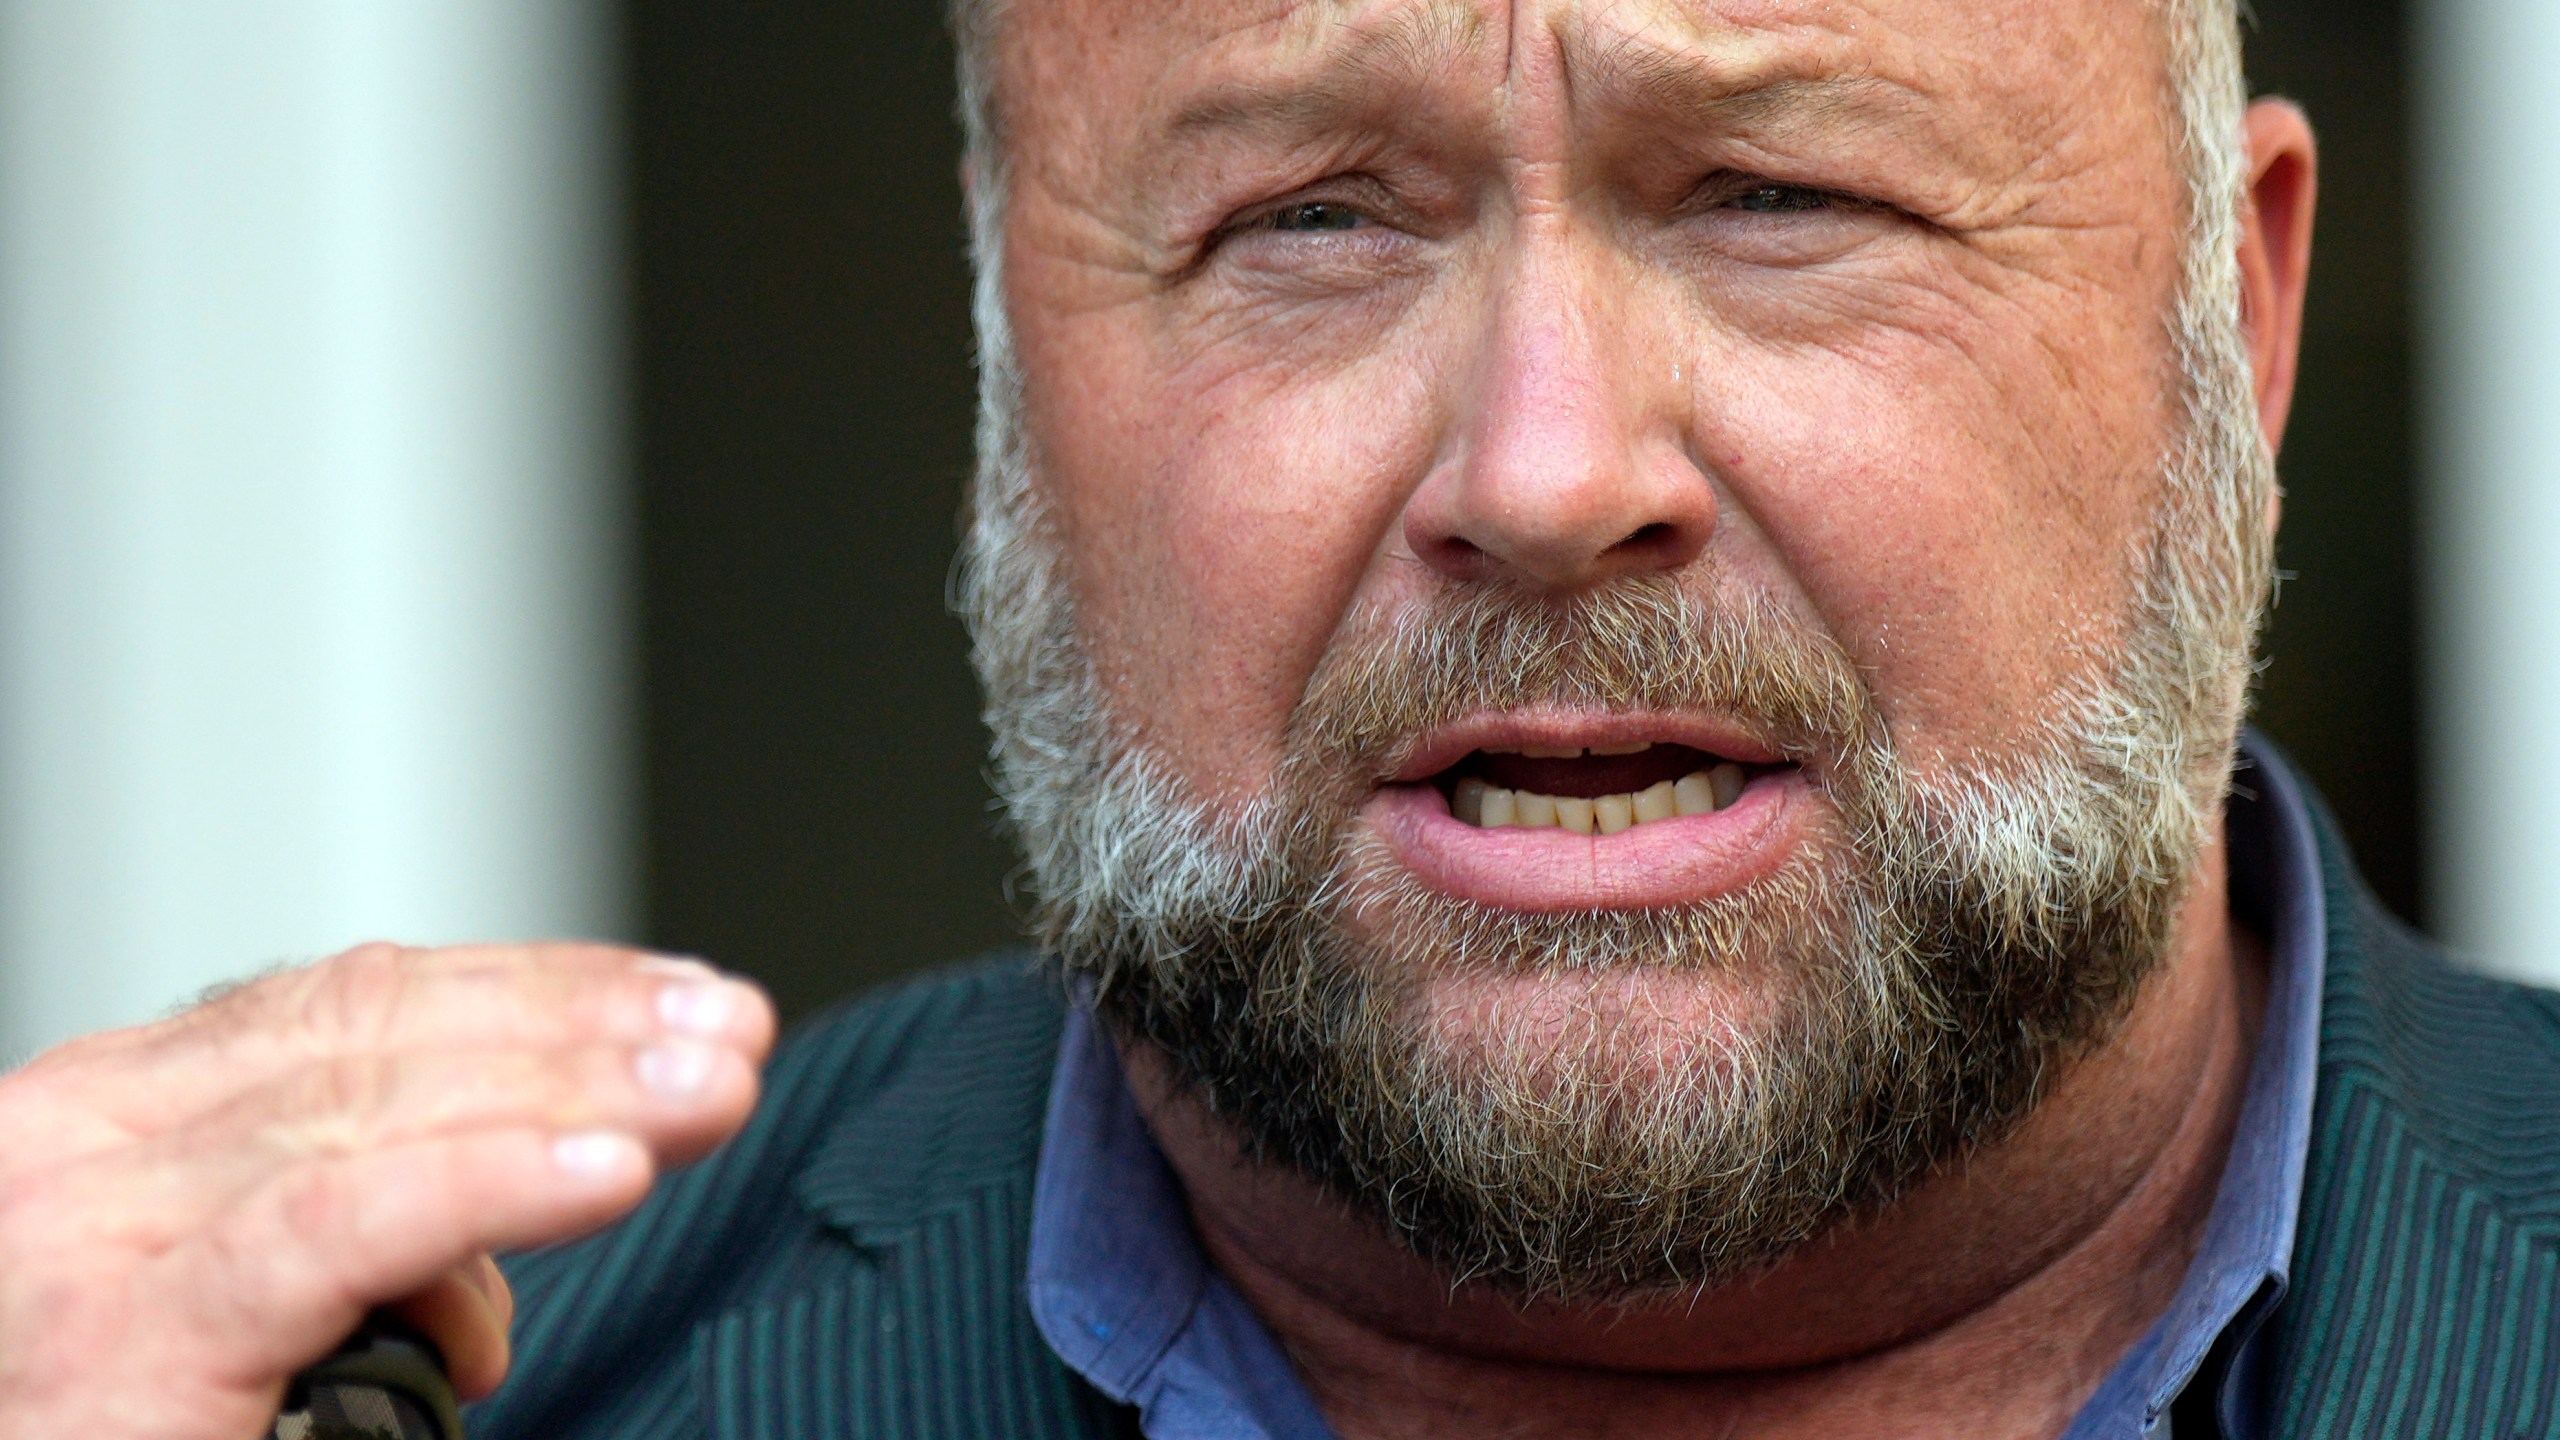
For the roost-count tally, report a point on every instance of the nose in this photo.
(1566, 468)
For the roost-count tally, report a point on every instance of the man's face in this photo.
(1411, 387)
(1331, 306)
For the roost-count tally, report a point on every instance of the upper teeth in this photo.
(1700, 792)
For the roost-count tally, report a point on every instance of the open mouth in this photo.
(1595, 790)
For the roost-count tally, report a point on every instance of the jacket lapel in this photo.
(2426, 1273)
(913, 1321)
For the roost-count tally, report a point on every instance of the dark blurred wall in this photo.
(816, 810)
(816, 815)
(2341, 678)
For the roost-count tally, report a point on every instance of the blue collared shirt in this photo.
(1123, 1293)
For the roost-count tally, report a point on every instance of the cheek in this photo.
(1959, 519)
(1223, 520)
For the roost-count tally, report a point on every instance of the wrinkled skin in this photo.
(192, 1211)
(1932, 429)
(1855, 307)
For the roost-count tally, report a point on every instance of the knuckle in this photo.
(357, 997)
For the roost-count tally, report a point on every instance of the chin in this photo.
(1644, 1015)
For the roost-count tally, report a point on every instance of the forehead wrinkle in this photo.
(1725, 79)
(1357, 70)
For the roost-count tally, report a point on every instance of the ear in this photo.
(2275, 252)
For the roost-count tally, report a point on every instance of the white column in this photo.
(2488, 198)
(311, 580)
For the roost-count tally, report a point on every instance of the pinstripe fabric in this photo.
(2426, 1279)
(852, 1265)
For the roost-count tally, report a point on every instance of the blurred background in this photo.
(487, 468)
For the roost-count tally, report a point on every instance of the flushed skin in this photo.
(1528, 337)
(1926, 424)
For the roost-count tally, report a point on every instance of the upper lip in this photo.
(1437, 749)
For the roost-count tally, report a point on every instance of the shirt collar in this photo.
(2244, 1260)
(1118, 1284)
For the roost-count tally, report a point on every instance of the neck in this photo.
(1989, 1301)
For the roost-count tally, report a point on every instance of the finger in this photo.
(291, 987)
(678, 1098)
(280, 1276)
(370, 1006)
(468, 1328)
(380, 998)
(678, 1095)
(484, 1275)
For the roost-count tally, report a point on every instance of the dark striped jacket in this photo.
(853, 1264)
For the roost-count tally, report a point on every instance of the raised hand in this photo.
(191, 1211)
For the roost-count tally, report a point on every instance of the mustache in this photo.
(1645, 643)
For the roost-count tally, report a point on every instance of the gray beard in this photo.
(1918, 980)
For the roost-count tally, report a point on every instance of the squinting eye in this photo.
(1315, 216)
(1779, 200)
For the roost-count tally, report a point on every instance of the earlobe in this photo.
(2275, 252)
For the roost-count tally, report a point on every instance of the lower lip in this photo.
(1661, 863)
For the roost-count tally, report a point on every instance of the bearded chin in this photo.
(1625, 1106)
(1614, 1106)
(1610, 1106)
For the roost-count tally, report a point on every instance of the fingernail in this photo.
(689, 965)
(698, 1007)
(597, 1154)
(677, 1072)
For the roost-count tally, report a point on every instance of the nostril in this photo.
(1453, 554)
(1648, 542)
